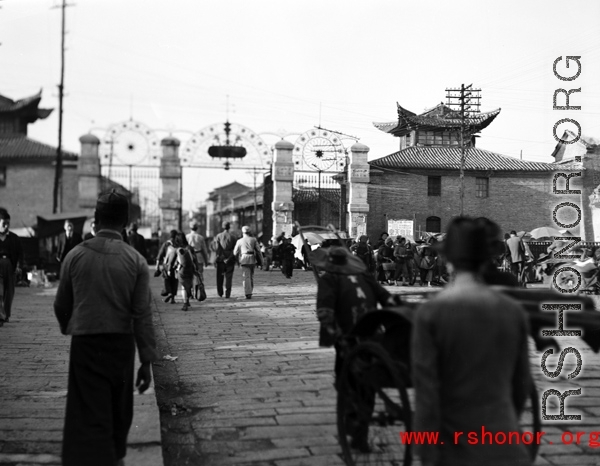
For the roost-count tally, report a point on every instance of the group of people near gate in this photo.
(182, 258)
(468, 352)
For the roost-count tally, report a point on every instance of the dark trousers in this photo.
(287, 267)
(515, 269)
(224, 273)
(99, 399)
(7, 288)
(171, 283)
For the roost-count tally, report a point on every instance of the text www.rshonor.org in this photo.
(485, 437)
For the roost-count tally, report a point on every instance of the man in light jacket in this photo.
(248, 252)
(516, 252)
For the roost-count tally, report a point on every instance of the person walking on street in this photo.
(11, 258)
(516, 253)
(67, 241)
(247, 250)
(224, 243)
(186, 268)
(136, 240)
(197, 243)
(287, 251)
(165, 263)
(103, 302)
(455, 338)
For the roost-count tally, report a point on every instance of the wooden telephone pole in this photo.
(468, 101)
(57, 195)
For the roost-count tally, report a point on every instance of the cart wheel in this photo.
(373, 408)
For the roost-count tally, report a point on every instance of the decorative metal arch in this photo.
(129, 143)
(194, 152)
(321, 150)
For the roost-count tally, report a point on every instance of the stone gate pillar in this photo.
(88, 172)
(358, 180)
(283, 178)
(170, 177)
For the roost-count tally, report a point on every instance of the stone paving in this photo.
(34, 359)
(250, 385)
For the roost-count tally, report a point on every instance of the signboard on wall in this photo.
(401, 228)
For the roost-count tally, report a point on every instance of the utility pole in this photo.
(318, 196)
(469, 101)
(255, 205)
(57, 194)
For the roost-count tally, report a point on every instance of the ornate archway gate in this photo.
(132, 154)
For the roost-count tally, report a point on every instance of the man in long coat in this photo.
(103, 302)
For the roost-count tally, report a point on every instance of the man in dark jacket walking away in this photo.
(137, 241)
(224, 243)
(103, 301)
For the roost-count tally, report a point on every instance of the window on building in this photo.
(434, 185)
(483, 186)
(2, 176)
(433, 224)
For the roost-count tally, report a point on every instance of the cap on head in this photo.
(245, 229)
(112, 208)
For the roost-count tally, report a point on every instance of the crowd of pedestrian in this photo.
(400, 261)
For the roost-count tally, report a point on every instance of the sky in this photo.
(281, 68)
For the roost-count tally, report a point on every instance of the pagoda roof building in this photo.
(21, 113)
(15, 146)
(439, 118)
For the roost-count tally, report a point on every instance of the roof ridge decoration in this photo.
(441, 116)
(25, 104)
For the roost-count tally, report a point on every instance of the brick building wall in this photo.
(519, 201)
(29, 191)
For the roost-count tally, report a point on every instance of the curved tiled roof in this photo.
(21, 148)
(440, 116)
(448, 158)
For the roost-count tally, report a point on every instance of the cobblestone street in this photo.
(249, 385)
